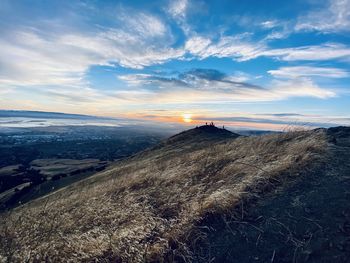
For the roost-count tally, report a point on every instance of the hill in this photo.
(196, 138)
(203, 133)
(44, 114)
(205, 195)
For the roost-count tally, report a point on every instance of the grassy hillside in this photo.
(165, 203)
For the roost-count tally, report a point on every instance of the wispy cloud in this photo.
(178, 8)
(333, 17)
(309, 71)
(34, 56)
(178, 11)
(207, 85)
(31, 56)
(241, 48)
(300, 87)
(269, 24)
(328, 51)
(237, 47)
(198, 79)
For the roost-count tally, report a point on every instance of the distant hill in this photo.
(204, 195)
(255, 132)
(43, 114)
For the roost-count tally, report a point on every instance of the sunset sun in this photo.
(186, 117)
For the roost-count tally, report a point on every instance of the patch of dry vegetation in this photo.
(142, 209)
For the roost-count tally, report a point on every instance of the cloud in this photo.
(268, 24)
(242, 48)
(278, 29)
(177, 9)
(282, 114)
(208, 86)
(214, 79)
(31, 60)
(237, 47)
(328, 51)
(34, 56)
(334, 17)
(300, 87)
(308, 71)
(144, 25)
(5, 90)
(197, 45)
(198, 79)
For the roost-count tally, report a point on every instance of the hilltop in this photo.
(197, 137)
(203, 133)
(204, 195)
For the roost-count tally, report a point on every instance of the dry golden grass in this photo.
(140, 210)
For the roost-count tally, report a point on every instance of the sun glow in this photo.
(186, 117)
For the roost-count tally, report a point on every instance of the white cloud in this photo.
(241, 48)
(236, 47)
(308, 71)
(197, 45)
(178, 8)
(301, 87)
(31, 60)
(5, 90)
(221, 94)
(240, 77)
(136, 79)
(126, 49)
(268, 24)
(335, 16)
(31, 56)
(321, 52)
(277, 35)
(143, 25)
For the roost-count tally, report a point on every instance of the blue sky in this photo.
(249, 64)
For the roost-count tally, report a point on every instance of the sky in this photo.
(244, 64)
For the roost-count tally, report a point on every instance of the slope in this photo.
(156, 205)
(307, 221)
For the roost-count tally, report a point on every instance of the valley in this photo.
(37, 160)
